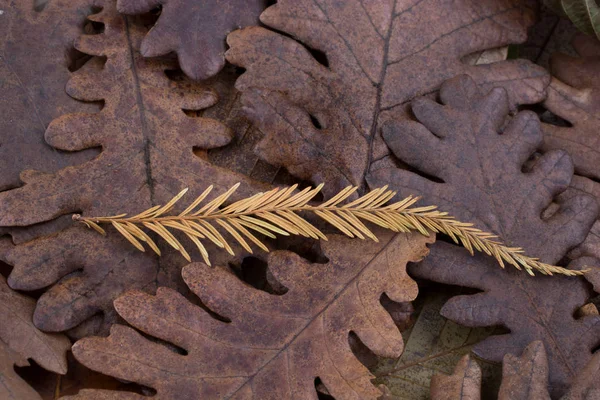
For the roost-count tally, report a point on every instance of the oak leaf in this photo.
(524, 377)
(147, 156)
(477, 159)
(195, 30)
(262, 345)
(432, 345)
(20, 340)
(321, 99)
(574, 95)
(34, 63)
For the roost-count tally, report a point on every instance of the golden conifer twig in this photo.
(277, 212)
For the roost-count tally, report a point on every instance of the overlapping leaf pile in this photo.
(147, 156)
(111, 106)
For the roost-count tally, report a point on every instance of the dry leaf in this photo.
(479, 178)
(20, 340)
(195, 30)
(261, 345)
(524, 378)
(574, 95)
(147, 156)
(320, 99)
(432, 345)
(34, 63)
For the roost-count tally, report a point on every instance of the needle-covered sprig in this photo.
(277, 212)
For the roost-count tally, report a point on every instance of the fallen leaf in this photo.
(195, 30)
(147, 156)
(13, 387)
(574, 95)
(321, 99)
(34, 63)
(432, 345)
(477, 158)
(20, 340)
(262, 345)
(524, 377)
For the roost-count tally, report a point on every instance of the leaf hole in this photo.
(361, 351)
(255, 272)
(93, 27)
(40, 5)
(546, 116)
(322, 391)
(401, 313)
(5, 269)
(318, 55)
(550, 118)
(172, 347)
(36, 376)
(76, 59)
(175, 75)
(315, 122)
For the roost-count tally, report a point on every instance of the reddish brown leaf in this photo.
(523, 378)
(574, 95)
(321, 99)
(20, 340)
(195, 30)
(35, 53)
(147, 157)
(272, 346)
(482, 182)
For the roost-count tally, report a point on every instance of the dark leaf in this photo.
(147, 157)
(194, 29)
(479, 157)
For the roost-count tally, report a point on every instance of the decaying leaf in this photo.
(433, 345)
(147, 155)
(20, 340)
(479, 177)
(320, 99)
(524, 377)
(574, 95)
(35, 54)
(195, 30)
(264, 346)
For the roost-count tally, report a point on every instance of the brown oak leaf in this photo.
(523, 378)
(477, 158)
(574, 95)
(195, 30)
(35, 53)
(262, 345)
(20, 340)
(147, 157)
(320, 99)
